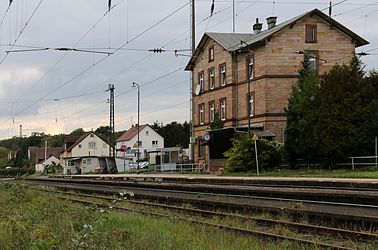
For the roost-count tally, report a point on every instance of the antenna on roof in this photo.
(273, 3)
(330, 9)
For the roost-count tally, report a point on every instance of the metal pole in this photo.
(138, 127)
(257, 159)
(138, 143)
(233, 16)
(249, 100)
(376, 151)
(193, 47)
(249, 88)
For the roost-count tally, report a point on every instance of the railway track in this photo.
(300, 227)
(364, 216)
(346, 195)
(260, 234)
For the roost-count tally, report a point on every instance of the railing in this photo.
(361, 161)
(179, 167)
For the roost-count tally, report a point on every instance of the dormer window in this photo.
(211, 54)
(311, 33)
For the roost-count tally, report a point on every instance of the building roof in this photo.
(232, 41)
(50, 151)
(129, 134)
(80, 138)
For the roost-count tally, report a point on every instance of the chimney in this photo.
(257, 27)
(271, 22)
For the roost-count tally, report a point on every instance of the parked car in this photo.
(142, 165)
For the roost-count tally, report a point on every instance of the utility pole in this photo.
(233, 16)
(111, 121)
(193, 47)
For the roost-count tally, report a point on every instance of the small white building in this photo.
(88, 153)
(50, 161)
(127, 143)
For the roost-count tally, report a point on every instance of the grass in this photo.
(237, 222)
(368, 172)
(31, 219)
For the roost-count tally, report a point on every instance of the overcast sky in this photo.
(55, 91)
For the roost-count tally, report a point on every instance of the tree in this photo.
(174, 134)
(347, 102)
(56, 140)
(3, 152)
(301, 115)
(241, 156)
(334, 117)
(217, 123)
(104, 131)
(78, 131)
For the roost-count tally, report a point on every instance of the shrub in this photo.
(241, 157)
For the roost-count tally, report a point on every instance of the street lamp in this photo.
(137, 85)
(249, 75)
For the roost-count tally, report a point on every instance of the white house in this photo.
(127, 143)
(88, 153)
(50, 161)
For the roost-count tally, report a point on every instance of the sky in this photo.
(47, 89)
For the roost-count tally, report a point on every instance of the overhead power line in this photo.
(104, 58)
(22, 30)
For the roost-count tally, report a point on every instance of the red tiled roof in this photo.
(129, 134)
(51, 151)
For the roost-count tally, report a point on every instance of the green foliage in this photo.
(333, 117)
(174, 134)
(12, 172)
(56, 140)
(53, 168)
(4, 153)
(33, 219)
(78, 131)
(217, 123)
(301, 115)
(241, 157)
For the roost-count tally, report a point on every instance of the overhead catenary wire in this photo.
(22, 30)
(104, 58)
(68, 52)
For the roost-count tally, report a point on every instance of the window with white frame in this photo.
(201, 114)
(201, 81)
(92, 145)
(89, 161)
(312, 59)
(223, 74)
(212, 111)
(252, 104)
(223, 109)
(211, 54)
(250, 67)
(211, 78)
(154, 143)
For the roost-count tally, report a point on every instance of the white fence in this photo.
(178, 168)
(361, 161)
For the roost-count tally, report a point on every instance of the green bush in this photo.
(241, 157)
(12, 172)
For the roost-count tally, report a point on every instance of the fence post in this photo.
(352, 163)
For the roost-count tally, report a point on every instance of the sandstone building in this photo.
(226, 65)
